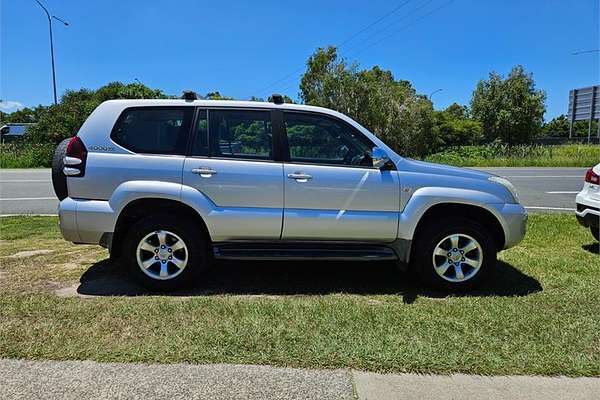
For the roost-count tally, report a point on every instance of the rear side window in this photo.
(153, 130)
(241, 134)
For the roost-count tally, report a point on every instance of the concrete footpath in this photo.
(90, 380)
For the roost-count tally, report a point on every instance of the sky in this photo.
(246, 48)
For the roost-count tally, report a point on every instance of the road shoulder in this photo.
(25, 379)
(459, 386)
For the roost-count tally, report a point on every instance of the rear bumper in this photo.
(588, 216)
(67, 220)
(86, 221)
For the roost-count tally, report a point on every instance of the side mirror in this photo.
(380, 157)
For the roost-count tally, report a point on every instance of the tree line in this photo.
(506, 109)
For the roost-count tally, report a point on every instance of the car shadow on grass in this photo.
(593, 248)
(303, 278)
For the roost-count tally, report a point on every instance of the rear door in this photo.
(332, 191)
(232, 163)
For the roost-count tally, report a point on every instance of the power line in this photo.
(295, 74)
(404, 27)
(411, 12)
(372, 24)
(285, 78)
(585, 52)
(347, 40)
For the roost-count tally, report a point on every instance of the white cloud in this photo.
(9, 106)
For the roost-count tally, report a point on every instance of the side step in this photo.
(302, 251)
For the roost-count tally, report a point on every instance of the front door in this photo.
(232, 164)
(332, 191)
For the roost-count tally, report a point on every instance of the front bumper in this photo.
(513, 218)
(514, 222)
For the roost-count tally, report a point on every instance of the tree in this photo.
(389, 108)
(454, 128)
(510, 109)
(560, 126)
(286, 99)
(457, 111)
(25, 115)
(64, 119)
(217, 96)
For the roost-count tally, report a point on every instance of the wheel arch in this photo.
(469, 211)
(139, 208)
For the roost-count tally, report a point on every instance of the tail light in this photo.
(75, 158)
(592, 177)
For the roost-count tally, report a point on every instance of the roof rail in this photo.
(277, 98)
(189, 95)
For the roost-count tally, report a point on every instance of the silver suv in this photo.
(169, 185)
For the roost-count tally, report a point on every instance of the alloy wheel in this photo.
(457, 257)
(162, 255)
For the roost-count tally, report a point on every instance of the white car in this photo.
(588, 202)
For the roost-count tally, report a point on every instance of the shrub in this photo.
(499, 154)
(26, 155)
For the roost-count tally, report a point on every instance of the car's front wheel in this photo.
(454, 254)
(166, 252)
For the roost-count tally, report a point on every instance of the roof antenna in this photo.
(189, 95)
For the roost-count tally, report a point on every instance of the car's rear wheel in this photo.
(165, 252)
(454, 254)
(595, 232)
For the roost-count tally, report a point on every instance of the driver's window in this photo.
(322, 140)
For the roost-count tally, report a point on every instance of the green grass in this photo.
(539, 315)
(26, 155)
(498, 155)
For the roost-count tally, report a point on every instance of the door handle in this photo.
(300, 177)
(204, 172)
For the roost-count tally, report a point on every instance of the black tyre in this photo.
(59, 180)
(166, 252)
(595, 232)
(454, 254)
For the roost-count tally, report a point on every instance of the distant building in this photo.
(12, 131)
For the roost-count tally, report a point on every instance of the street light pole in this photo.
(434, 92)
(52, 45)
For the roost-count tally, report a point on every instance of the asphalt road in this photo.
(544, 188)
(29, 191)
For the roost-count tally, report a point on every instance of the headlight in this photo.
(506, 183)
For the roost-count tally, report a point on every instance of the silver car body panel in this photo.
(340, 203)
(105, 172)
(245, 198)
(256, 200)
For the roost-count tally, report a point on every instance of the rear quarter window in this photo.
(153, 130)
